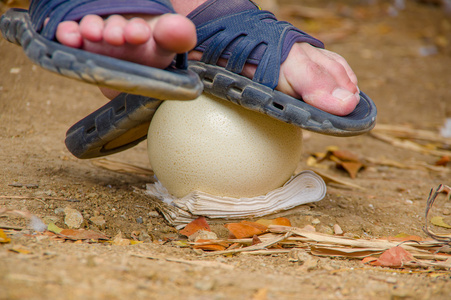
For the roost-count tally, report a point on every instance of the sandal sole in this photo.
(243, 91)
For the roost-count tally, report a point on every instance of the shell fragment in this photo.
(305, 187)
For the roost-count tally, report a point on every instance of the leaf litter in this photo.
(269, 237)
(277, 236)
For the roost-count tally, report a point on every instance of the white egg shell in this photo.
(217, 147)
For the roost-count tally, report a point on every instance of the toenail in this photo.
(342, 94)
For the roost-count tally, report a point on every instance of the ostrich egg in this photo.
(217, 147)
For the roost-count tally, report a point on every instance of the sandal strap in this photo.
(73, 10)
(249, 36)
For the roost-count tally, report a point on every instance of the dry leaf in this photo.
(438, 221)
(345, 155)
(394, 257)
(209, 245)
(196, 225)
(278, 221)
(443, 161)
(368, 259)
(20, 250)
(334, 251)
(119, 241)
(402, 237)
(332, 179)
(352, 168)
(345, 159)
(256, 240)
(3, 238)
(81, 234)
(53, 228)
(245, 229)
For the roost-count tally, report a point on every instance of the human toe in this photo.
(91, 28)
(137, 31)
(175, 33)
(113, 32)
(67, 33)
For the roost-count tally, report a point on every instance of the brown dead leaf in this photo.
(345, 155)
(344, 159)
(352, 168)
(208, 245)
(333, 179)
(81, 234)
(245, 229)
(196, 225)
(443, 161)
(234, 246)
(278, 221)
(256, 240)
(394, 257)
(368, 259)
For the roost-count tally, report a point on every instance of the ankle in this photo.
(184, 7)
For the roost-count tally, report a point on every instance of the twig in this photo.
(407, 144)
(38, 198)
(4, 226)
(261, 246)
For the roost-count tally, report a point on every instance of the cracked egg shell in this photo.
(217, 147)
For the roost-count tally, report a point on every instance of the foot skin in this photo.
(322, 78)
(146, 40)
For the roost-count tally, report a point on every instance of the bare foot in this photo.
(146, 40)
(322, 78)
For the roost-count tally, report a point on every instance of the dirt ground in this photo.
(402, 59)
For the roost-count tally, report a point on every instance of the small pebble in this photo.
(59, 211)
(309, 228)
(153, 214)
(73, 218)
(338, 230)
(203, 235)
(139, 220)
(316, 221)
(205, 285)
(14, 70)
(391, 280)
(98, 220)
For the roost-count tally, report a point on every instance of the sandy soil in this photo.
(386, 49)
